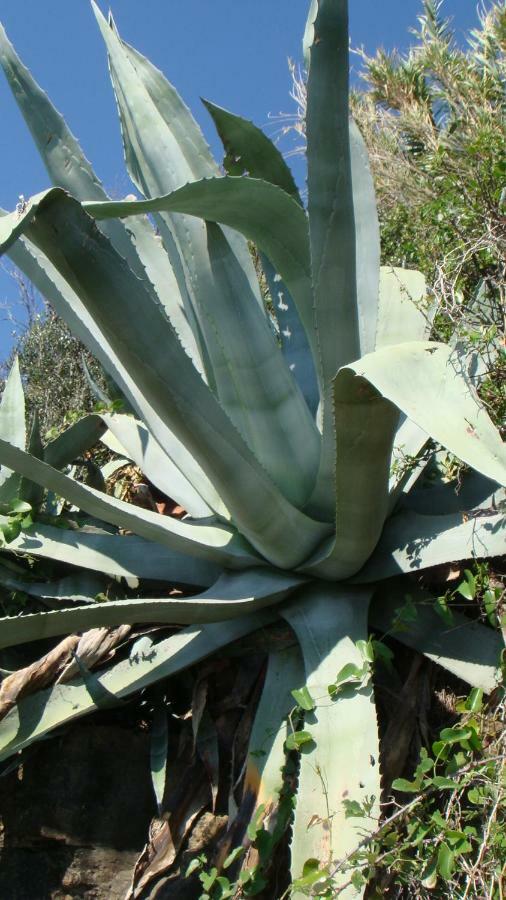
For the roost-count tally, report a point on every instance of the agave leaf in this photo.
(38, 714)
(249, 151)
(266, 753)
(343, 222)
(308, 37)
(425, 382)
(411, 542)
(216, 543)
(124, 556)
(171, 120)
(401, 316)
(342, 760)
(29, 491)
(408, 459)
(162, 163)
(159, 746)
(266, 760)
(68, 305)
(128, 436)
(365, 429)
(174, 113)
(232, 596)
(186, 404)
(68, 168)
(341, 200)
(256, 387)
(74, 441)
(12, 428)
(80, 588)
(292, 336)
(473, 491)
(467, 649)
(263, 212)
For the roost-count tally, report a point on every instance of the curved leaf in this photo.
(74, 441)
(68, 168)
(117, 555)
(216, 543)
(249, 151)
(261, 211)
(231, 597)
(80, 588)
(185, 404)
(467, 649)
(68, 305)
(473, 491)
(161, 467)
(38, 714)
(365, 427)
(425, 382)
(412, 542)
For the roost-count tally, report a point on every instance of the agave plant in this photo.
(296, 439)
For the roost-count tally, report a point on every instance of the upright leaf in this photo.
(13, 429)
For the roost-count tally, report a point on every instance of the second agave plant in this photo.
(283, 434)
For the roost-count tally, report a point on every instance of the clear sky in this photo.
(233, 52)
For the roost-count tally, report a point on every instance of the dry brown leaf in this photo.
(38, 675)
(95, 646)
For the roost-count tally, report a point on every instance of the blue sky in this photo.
(233, 52)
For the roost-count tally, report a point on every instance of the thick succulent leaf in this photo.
(263, 780)
(174, 113)
(68, 168)
(132, 438)
(255, 386)
(401, 313)
(29, 491)
(233, 596)
(67, 304)
(408, 459)
(471, 492)
(343, 221)
(60, 151)
(12, 428)
(467, 649)
(265, 774)
(261, 211)
(218, 544)
(170, 291)
(159, 159)
(308, 37)
(365, 429)
(74, 441)
(124, 556)
(113, 296)
(425, 382)
(292, 336)
(40, 713)
(367, 240)
(249, 151)
(343, 761)
(80, 588)
(411, 542)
